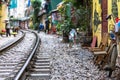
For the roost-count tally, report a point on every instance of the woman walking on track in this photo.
(7, 27)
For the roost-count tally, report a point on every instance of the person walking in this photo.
(7, 27)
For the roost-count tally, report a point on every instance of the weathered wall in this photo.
(113, 8)
(3, 13)
(96, 20)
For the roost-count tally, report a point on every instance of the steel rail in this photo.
(11, 43)
(20, 73)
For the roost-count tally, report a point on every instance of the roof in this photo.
(55, 10)
(20, 19)
(54, 3)
(24, 18)
(41, 13)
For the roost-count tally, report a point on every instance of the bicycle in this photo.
(113, 56)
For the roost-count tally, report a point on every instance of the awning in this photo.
(41, 13)
(53, 11)
(20, 19)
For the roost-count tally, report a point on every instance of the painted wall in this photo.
(4, 16)
(96, 20)
(113, 8)
(21, 8)
(18, 11)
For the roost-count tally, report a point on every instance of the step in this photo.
(7, 67)
(40, 70)
(42, 64)
(5, 70)
(4, 74)
(2, 78)
(42, 75)
(37, 78)
(9, 78)
(38, 57)
(8, 64)
(12, 61)
(42, 61)
(40, 67)
(19, 65)
(12, 75)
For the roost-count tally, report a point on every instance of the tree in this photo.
(36, 4)
(79, 18)
(83, 7)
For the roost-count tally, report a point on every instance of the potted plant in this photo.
(66, 22)
(65, 28)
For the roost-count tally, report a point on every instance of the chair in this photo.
(103, 57)
(102, 45)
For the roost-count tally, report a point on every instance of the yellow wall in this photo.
(97, 27)
(3, 13)
(119, 8)
(0, 17)
(111, 22)
(96, 20)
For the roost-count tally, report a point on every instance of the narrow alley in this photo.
(70, 63)
(61, 29)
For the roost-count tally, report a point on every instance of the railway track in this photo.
(36, 67)
(23, 63)
(7, 67)
(40, 70)
(13, 42)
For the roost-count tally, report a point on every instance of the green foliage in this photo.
(66, 26)
(31, 26)
(83, 10)
(36, 25)
(36, 4)
(82, 15)
(58, 27)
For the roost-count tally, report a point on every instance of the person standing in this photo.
(72, 37)
(7, 27)
(54, 22)
(47, 25)
(41, 27)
